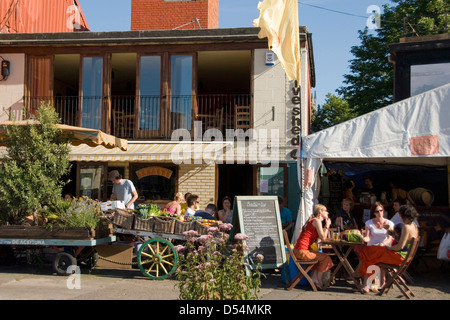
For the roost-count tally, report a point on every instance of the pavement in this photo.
(26, 282)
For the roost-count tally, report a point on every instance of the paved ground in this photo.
(38, 283)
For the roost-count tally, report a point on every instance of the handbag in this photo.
(444, 248)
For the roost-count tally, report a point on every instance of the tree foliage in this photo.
(31, 173)
(369, 85)
(334, 111)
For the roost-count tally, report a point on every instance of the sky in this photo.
(334, 26)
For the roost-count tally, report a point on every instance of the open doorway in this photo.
(235, 180)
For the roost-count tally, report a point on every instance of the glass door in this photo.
(150, 113)
(92, 84)
(181, 92)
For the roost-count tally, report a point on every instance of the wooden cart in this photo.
(68, 252)
(157, 257)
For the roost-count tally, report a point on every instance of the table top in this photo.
(342, 243)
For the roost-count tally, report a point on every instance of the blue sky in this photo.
(334, 27)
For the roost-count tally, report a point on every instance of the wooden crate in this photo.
(164, 225)
(144, 224)
(124, 219)
(41, 232)
(181, 226)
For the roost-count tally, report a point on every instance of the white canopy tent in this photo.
(412, 131)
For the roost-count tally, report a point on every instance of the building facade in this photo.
(420, 64)
(175, 95)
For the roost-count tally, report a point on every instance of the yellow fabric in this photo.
(278, 21)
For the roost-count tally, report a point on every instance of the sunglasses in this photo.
(377, 211)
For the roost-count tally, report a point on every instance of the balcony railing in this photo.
(146, 117)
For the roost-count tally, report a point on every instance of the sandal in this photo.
(365, 290)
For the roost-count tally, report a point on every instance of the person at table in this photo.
(193, 203)
(174, 207)
(311, 231)
(378, 228)
(344, 217)
(372, 255)
(226, 213)
(209, 213)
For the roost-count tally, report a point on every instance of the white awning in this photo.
(161, 151)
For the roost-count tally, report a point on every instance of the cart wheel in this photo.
(62, 262)
(157, 258)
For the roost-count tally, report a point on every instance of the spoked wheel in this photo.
(157, 259)
(62, 262)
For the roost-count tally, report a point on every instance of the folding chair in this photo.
(395, 274)
(298, 263)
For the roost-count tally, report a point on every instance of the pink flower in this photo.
(179, 248)
(225, 226)
(260, 257)
(240, 237)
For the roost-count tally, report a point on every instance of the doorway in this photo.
(235, 180)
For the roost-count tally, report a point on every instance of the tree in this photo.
(369, 86)
(335, 110)
(30, 176)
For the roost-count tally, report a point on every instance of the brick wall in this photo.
(199, 180)
(170, 14)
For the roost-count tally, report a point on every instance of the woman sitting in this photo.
(312, 231)
(372, 255)
(174, 207)
(344, 217)
(377, 228)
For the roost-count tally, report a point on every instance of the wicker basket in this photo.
(200, 227)
(181, 226)
(144, 224)
(164, 225)
(123, 218)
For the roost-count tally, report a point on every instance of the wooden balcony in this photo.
(148, 117)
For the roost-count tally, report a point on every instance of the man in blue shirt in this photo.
(285, 214)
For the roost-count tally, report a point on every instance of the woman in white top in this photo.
(378, 229)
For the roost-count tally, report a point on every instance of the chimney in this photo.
(174, 14)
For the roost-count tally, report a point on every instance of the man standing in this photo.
(123, 189)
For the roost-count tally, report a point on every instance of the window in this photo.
(150, 89)
(271, 181)
(91, 181)
(92, 92)
(181, 92)
(154, 181)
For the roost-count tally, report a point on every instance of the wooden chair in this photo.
(396, 274)
(217, 120)
(298, 263)
(242, 117)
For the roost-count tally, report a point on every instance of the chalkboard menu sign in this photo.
(258, 217)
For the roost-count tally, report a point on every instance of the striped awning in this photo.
(164, 151)
(76, 135)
